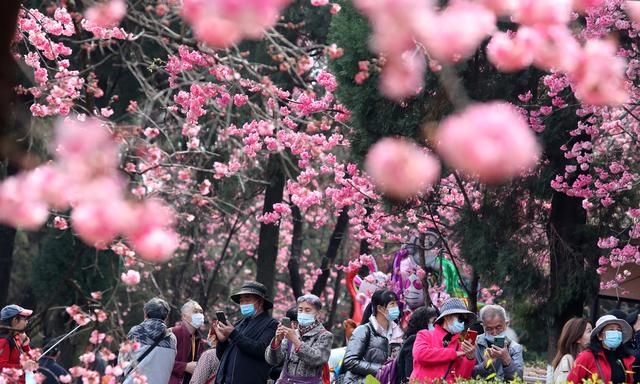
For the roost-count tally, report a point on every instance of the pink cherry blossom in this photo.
(400, 168)
(510, 53)
(402, 76)
(130, 277)
(100, 222)
(221, 23)
(632, 8)
(599, 76)
(556, 49)
(457, 31)
(491, 141)
(156, 245)
(500, 7)
(545, 12)
(583, 5)
(107, 14)
(60, 223)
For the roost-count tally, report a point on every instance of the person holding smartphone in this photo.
(495, 353)
(441, 354)
(304, 351)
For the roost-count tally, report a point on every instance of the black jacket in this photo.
(51, 370)
(405, 360)
(242, 354)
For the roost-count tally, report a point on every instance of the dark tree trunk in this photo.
(339, 232)
(573, 281)
(270, 233)
(7, 239)
(473, 292)
(337, 285)
(8, 149)
(296, 251)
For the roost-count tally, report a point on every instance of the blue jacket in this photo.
(511, 372)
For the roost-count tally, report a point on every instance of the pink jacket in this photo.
(431, 359)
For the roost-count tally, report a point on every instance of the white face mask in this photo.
(197, 319)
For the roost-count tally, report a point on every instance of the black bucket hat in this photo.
(253, 288)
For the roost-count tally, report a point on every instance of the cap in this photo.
(14, 310)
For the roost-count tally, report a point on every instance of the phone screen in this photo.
(221, 317)
(286, 322)
(499, 342)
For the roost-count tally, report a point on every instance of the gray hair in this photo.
(311, 299)
(156, 308)
(491, 310)
(189, 305)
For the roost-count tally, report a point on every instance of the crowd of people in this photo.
(437, 345)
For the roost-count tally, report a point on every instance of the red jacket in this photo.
(585, 366)
(431, 359)
(10, 357)
(183, 353)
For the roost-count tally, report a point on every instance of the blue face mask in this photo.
(612, 339)
(456, 326)
(247, 310)
(306, 319)
(431, 327)
(393, 313)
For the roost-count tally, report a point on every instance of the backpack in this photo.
(388, 374)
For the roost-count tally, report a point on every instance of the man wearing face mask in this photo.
(496, 354)
(439, 355)
(241, 347)
(189, 343)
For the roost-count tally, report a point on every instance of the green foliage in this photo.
(374, 116)
(66, 271)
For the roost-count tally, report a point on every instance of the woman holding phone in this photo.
(440, 355)
(304, 351)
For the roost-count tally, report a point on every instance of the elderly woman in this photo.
(304, 350)
(606, 356)
(438, 354)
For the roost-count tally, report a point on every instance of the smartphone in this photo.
(286, 322)
(221, 317)
(499, 342)
(471, 336)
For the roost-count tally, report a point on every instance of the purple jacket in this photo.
(183, 354)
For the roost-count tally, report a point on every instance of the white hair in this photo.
(491, 310)
(189, 306)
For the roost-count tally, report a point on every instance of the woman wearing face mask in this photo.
(305, 350)
(375, 341)
(438, 354)
(574, 339)
(421, 318)
(606, 356)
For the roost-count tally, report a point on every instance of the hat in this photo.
(627, 332)
(453, 306)
(253, 288)
(13, 310)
